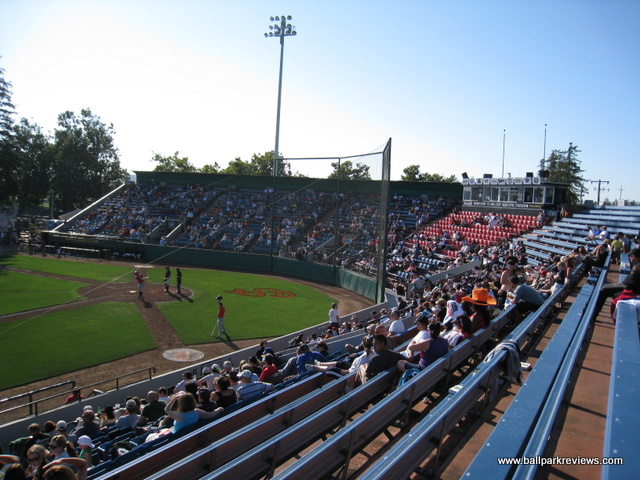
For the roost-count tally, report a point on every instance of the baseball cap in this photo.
(246, 374)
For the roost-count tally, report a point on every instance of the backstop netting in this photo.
(341, 212)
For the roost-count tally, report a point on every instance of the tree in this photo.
(412, 174)
(8, 160)
(173, 163)
(7, 110)
(215, 168)
(260, 164)
(348, 171)
(35, 154)
(564, 167)
(86, 164)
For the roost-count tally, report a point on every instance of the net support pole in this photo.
(384, 223)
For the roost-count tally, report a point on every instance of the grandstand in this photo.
(456, 417)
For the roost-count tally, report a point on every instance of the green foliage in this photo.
(412, 174)
(260, 164)
(346, 170)
(36, 158)
(564, 167)
(215, 168)
(173, 163)
(86, 164)
(8, 160)
(7, 110)
(62, 342)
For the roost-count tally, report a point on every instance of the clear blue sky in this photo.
(443, 78)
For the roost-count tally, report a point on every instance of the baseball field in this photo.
(63, 315)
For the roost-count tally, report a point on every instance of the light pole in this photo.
(280, 29)
(504, 139)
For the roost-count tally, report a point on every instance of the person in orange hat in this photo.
(480, 300)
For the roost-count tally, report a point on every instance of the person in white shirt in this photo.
(422, 324)
(334, 316)
(211, 373)
(397, 325)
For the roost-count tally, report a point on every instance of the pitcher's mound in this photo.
(183, 355)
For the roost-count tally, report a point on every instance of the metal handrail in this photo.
(33, 392)
(33, 404)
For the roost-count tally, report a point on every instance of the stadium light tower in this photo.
(279, 29)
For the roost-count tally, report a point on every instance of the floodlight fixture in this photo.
(281, 29)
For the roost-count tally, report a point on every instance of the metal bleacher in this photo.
(525, 427)
(255, 441)
(623, 421)
(336, 451)
(430, 432)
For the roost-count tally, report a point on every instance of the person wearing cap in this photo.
(249, 389)
(480, 300)
(61, 429)
(129, 418)
(220, 318)
(75, 396)
(153, 410)
(89, 426)
(108, 416)
(140, 279)
(167, 279)
(86, 445)
(323, 349)
(355, 351)
(269, 367)
(454, 308)
(269, 351)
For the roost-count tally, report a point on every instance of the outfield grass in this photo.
(61, 342)
(254, 316)
(81, 270)
(55, 343)
(22, 292)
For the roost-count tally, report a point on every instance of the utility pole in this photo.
(621, 189)
(583, 191)
(599, 182)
